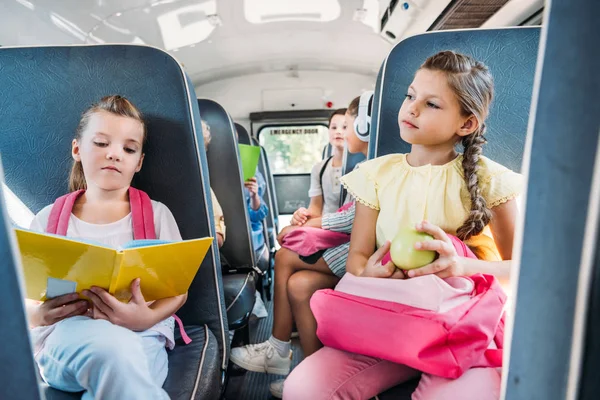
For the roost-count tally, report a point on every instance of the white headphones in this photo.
(362, 123)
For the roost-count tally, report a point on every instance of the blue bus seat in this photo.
(243, 135)
(240, 266)
(326, 151)
(270, 223)
(18, 372)
(265, 255)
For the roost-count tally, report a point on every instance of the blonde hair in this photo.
(473, 85)
(114, 104)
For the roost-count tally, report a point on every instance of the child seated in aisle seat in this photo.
(108, 349)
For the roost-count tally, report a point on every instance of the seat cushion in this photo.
(239, 297)
(54, 394)
(194, 369)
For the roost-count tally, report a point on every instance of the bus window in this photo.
(293, 149)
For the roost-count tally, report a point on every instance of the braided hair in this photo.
(473, 86)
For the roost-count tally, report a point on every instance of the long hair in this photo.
(114, 104)
(473, 85)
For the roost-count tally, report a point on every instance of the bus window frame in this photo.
(291, 124)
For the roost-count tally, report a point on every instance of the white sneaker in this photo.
(276, 388)
(261, 357)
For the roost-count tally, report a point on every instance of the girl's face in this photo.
(337, 131)
(430, 114)
(110, 150)
(355, 145)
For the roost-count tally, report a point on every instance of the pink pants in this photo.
(332, 374)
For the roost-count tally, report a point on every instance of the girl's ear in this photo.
(75, 150)
(469, 126)
(139, 166)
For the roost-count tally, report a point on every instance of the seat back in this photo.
(348, 164)
(555, 349)
(226, 180)
(243, 135)
(268, 197)
(326, 151)
(18, 376)
(264, 168)
(53, 86)
(271, 182)
(510, 54)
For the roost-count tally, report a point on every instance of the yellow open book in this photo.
(55, 265)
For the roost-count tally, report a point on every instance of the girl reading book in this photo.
(104, 347)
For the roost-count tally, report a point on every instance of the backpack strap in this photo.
(58, 222)
(142, 214)
(321, 174)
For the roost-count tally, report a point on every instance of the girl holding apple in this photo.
(439, 192)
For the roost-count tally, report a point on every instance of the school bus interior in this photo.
(269, 74)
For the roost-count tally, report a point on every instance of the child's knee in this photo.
(474, 384)
(300, 288)
(118, 347)
(282, 258)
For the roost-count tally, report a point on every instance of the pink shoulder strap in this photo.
(142, 215)
(58, 222)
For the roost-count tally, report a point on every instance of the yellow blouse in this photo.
(406, 195)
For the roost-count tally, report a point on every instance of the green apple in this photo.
(403, 252)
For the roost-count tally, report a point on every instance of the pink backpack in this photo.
(441, 327)
(307, 240)
(142, 217)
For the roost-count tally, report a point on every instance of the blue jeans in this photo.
(106, 360)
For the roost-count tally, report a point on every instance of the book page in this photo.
(249, 155)
(47, 256)
(165, 270)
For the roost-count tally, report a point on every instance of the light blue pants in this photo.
(107, 361)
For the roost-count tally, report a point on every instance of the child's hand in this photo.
(448, 263)
(284, 233)
(375, 269)
(252, 186)
(56, 309)
(135, 315)
(300, 216)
